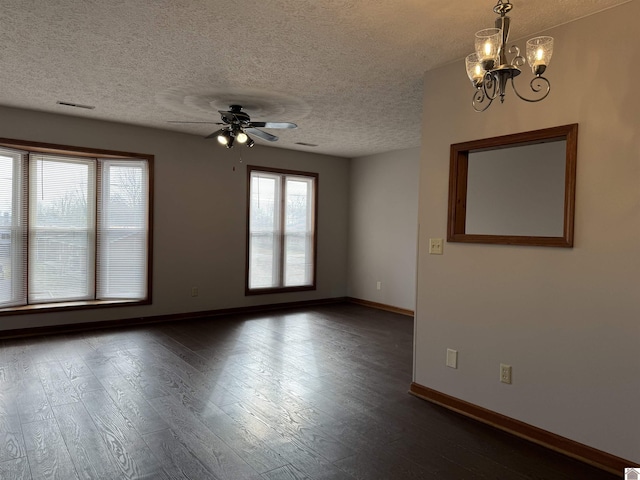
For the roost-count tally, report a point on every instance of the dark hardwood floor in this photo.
(314, 393)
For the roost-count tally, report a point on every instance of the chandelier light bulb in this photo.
(475, 72)
(242, 137)
(539, 51)
(487, 46)
(222, 139)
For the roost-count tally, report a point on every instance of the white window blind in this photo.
(73, 228)
(281, 245)
(61, 228)
(13, 236)
(264, 236)
(123, 229)
(298, 231)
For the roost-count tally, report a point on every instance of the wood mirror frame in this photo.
(458, 173)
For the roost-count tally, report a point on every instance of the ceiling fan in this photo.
(238, 126)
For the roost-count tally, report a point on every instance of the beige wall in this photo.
(383, 212)
(567, 320)
(200, 214)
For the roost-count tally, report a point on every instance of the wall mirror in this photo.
(516, 189)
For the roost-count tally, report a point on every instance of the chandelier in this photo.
(489, 70)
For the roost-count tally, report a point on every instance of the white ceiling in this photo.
(348, 72)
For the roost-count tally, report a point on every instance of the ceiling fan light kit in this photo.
(229, 135)
(489, 70)
(238, 125)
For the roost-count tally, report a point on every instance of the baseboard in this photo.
(597, 458)
(381, 306)
(129, 322)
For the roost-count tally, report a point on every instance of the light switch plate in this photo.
(435, 246)
(452, 358)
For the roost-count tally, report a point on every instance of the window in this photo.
(74, 227)
(281, 240)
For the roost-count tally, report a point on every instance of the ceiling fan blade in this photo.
(180, 121)
(273, 124)
(261, 134)
(214, 134)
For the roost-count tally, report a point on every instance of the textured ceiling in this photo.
(347, 72)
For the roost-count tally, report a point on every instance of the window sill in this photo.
(67, 306)
(264, 291)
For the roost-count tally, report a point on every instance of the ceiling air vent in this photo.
(75, 105)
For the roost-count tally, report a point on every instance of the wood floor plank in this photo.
(133, 406)
(299, 455)
(171, 381)
(17, 469)
(11, 439)
(210, 450)
(287, 472)
(57, 387)
(17, 363)
(293, 426)
(195, 360)
(438, 464)
(46, 451)
(32, 402)
(101, 364)
(87, 448)
(127, 448)
(42, 350)
(241, 440)
(86, 383)
(75, 367)
(188, 338)
(383, 467)
(176, 458)
(165, 357)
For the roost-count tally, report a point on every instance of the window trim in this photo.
(281, 289)
(57, 149)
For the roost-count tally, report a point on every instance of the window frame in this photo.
(283, 174)
(84, 152)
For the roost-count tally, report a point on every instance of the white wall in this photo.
(383, 210)
(567, 320)
(200, 215)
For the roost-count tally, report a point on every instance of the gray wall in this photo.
(383, 210)
(200, 215)
(567, 320)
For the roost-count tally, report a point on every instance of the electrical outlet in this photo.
(505, 373)
(452, 358)
(194, 291)
(379, 285)
(435, 246)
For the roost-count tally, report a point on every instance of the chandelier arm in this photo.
(490, 86)
(537, 85)
(479, 97)
(518, 60)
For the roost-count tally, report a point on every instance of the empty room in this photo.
(319, 240)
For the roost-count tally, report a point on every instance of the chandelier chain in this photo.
(502, 8)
